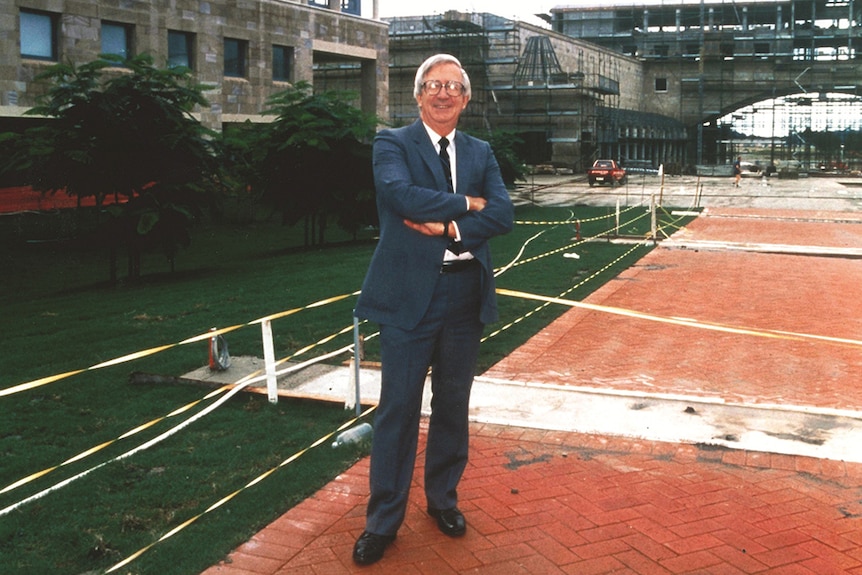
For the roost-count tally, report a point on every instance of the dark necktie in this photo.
(454, 246)
(447, 166)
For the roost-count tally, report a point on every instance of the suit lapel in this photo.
(464, 159)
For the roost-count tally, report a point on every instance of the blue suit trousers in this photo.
(446, 340)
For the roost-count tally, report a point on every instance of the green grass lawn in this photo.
(59, 315)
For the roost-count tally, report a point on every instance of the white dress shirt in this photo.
(453, 162)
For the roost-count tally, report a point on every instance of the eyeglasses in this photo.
(453, 88)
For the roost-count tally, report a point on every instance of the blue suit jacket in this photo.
(410, 184)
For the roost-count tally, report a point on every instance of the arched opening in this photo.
(809, 131)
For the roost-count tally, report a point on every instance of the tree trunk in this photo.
(321, 229)
(134, 262)
(112, 264)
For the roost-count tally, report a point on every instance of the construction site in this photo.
(784, 71)
(568, 101)
(675, 84)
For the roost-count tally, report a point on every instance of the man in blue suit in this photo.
(430, 286)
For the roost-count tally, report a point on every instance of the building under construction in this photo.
(796, 29)
(645, 83)
(569, 101)
(705, 63)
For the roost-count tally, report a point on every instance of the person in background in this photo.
(430, 286)
(737, 171)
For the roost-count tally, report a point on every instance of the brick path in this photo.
(552, 502)
(794, 293)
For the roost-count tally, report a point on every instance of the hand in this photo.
(476, 203)
(426, 228)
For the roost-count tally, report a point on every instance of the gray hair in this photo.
(434, 61)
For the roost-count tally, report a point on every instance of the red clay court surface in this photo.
(547, 502)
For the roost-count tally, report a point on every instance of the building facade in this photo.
(246, 49)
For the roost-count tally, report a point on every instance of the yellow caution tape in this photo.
(227, 498)
(144, 353)
(769, 333)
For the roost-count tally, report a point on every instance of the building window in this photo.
(347, 6)
(661, 84)
(117, 39)
(38, 35)
(181, 49)
(282, 59)
(235, 58)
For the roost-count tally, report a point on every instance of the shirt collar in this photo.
(435, 137)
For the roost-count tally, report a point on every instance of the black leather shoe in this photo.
(450, 521)
(369, 547)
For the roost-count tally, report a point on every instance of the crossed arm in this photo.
(486, 210)
(447, 229)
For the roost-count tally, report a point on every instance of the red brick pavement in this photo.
(548, 502)
(543, 502)
(761, 291)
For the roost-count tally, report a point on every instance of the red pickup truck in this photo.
(606, 172)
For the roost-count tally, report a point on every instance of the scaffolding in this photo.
(800, 29)
(486, 45)
(722, 55)
(539, 64)
(518, 83)
(812, 132)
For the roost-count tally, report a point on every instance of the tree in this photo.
(123, 128)
(504, 143)
(315, 160)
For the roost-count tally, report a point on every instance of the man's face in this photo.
(442, 110)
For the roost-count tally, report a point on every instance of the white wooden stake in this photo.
(269, 361)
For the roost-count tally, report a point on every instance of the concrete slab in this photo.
(790, 430)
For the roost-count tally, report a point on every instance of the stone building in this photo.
(569, 101)
(247, 49)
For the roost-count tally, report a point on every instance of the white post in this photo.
(357, 357)
(269, 361)
(351, 385)
(661, 188)
(617, 219)
(653, 227)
